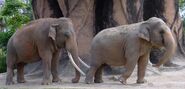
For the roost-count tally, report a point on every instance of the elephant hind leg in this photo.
(10, 61)
(20, 73)
(9, 77)
(129, 66)
(95, 69)
(98, 75)
(91, 73)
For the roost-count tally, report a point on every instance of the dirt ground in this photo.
(163, 78)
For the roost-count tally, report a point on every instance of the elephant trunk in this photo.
(170, 46)
(72, 48)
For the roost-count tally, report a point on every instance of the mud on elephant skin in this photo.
(129, 45)
(42, 39)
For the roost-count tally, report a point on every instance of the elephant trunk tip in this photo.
(170, 47)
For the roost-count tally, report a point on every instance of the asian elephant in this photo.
(129, 45)
(42, 40)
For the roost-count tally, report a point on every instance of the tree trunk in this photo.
(91, 16)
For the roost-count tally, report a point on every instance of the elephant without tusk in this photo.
(128, 45)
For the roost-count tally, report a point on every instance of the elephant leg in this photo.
(129, 66)
(20, 73)
(98, 75)
(142, 64)
(77, 77)
(90, 74)
(95, 67)
(170, 64)
(46, 60)
(77, 73)
(9, 78)
(54, 67)
(10, 67)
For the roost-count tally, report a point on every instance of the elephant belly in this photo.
(28, 57)
(115, 61)
(108, 47)
(113, 57)
(27, 54)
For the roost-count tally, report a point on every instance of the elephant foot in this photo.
(98, 81)
(21, 81)
(88, 81)
(10, 82)
(75, 80)
(46, 82)
(141, 81)
(123, 80)
(170, 64)
(57, 80)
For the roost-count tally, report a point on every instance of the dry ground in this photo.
(166, 78)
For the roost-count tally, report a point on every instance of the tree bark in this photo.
(91, 16)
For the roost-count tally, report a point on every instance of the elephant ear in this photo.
(144, 32)
(52, 31)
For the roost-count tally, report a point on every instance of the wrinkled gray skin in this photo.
(41, 40)
(127, 46)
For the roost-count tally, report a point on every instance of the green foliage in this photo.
(182, 4)
(182, 10)
(2, 61)
(4, 37)
(13, 14)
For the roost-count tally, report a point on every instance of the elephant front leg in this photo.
(77, 77)
(54, 67)
(20, 73)
(142, 64)
(46, 60)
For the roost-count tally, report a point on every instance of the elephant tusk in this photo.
(83, 63)
(74, 64)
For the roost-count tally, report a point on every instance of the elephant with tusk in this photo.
(42, 39)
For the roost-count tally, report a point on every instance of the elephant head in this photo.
(63, 35)
(157, 33)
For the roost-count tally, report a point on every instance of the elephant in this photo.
(43, 40)
(128, 45)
